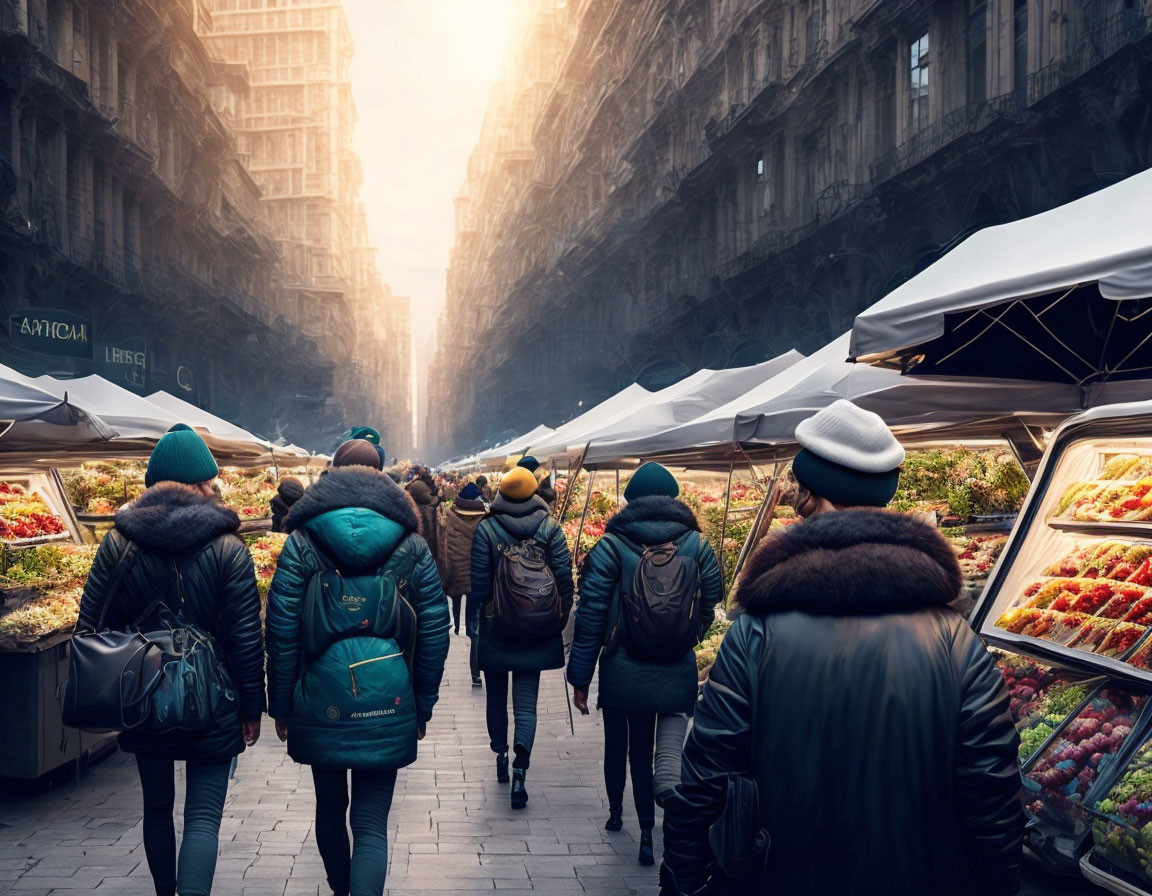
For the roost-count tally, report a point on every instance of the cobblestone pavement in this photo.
(451, 828)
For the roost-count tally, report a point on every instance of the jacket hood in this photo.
(172, 519)
(356, 538)
(654, 519)
(465, 507)
(851, 562)
(420, 492)
(354, 487)
(520, 518)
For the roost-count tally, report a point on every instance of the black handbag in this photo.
(161, 674)
(738, 840)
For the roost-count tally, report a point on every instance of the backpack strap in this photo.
(513, 539)
(322, 559)
(125, 562)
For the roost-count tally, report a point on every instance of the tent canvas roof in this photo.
(687, 400)
(577, 430)
(516, 445)
(132, 416)
(45, 415)
(1104, 238)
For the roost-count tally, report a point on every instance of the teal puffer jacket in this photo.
(361, 521)
(509, 520)
(628, 683)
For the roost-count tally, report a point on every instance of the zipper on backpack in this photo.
(376, 659)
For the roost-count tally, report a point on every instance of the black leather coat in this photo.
(870, 715)
(175, 526)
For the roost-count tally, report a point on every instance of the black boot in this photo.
(476, 682)
(519, 794)
(646, 855)
(615, 822)
(502, 767)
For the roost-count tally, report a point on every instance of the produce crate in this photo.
(36, 740)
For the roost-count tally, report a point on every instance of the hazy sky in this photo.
(420, 77)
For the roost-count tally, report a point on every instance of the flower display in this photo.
(1124, 838)
(1060, 778)
(265, 548)
(709, 645)
(101, 488)
(248, 492)
(25, 516)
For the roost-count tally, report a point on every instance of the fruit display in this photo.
(103, 487)
(978, 553)
(1058, 780)
(1124, 838)
(1041, 698)
(1121, 493)
(24, 515)
(265, 549)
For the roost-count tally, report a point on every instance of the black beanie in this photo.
(841, 485)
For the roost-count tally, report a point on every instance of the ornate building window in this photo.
(976, 52)
(918, 94)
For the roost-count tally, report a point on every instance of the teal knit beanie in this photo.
(180, 456)
(650, 480)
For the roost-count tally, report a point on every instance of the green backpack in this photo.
(354, 706)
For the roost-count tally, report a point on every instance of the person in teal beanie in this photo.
(645, 700)
(176, 548)
(368, 434)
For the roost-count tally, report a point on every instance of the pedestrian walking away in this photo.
(288, 492)
(174, 553)
(457, 529)
(423, 490)
(830, 699)
(522, 589)
(357, 640)
(648, 591)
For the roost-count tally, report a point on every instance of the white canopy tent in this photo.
(499, 455)
(133, 417)
(765, 417)
(1057, 297)
(685, 401)
(576, 431)
(35, 417)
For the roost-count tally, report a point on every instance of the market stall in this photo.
(500, 456)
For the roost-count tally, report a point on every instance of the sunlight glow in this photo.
(479, 33)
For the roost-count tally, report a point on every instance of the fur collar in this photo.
(506, 507)
(521, 519)
(170, 518)
(851, 562)
(354, 487)
(653, 509)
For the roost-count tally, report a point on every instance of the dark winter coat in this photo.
(870, 715)
(628, 683)
(546, 493)
(287, 494)
(175, 527)
(509, 522)
(358, 518)
(457, 529)
(426, 503)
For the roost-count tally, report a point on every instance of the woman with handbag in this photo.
(174, 552)
(647, 675)
(357, 640)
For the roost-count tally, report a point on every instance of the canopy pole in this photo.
(724, 519)
(763, 518)
(617, 486)
(583, 516)
(572, 473)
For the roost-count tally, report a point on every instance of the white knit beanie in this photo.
(851, 437)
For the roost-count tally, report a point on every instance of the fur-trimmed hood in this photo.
(361, 487)
(851, 562)
(170, 518)
(520, 518)
(654, 519)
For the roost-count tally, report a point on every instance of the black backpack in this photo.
(660, 608)
(525, 604)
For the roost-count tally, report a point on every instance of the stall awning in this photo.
(686, 401)
(35, 417)
(1062, 296)
(133, 416)
(513, 447)
(574, 434)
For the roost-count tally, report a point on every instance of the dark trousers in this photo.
(472, 625)
(358, 868)
(629, 740)
(525, 691)
(207, 785)
(457, 600)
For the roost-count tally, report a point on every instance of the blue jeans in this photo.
(360, 868)
(525, 691)
(207, 785)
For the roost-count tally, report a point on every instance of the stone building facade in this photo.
(130, 242)
(664, 185)
(295, 127)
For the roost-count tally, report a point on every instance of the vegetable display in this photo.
(101, 488)
(25, 516)
(265, 549)
(1124, 838)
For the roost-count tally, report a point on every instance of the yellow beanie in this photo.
(518, 485)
